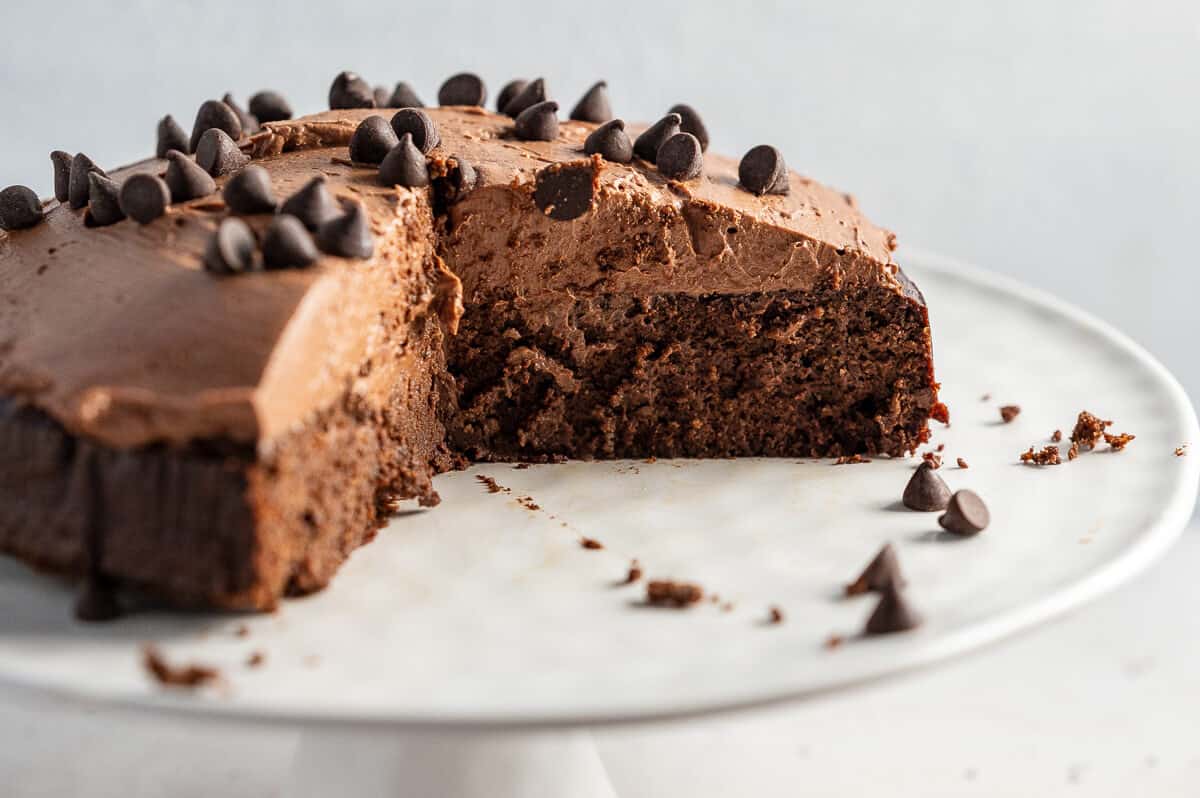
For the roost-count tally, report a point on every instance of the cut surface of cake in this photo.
(228, 440)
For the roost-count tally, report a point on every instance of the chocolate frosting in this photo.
(119, 334)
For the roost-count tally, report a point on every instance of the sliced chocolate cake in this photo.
(218, 373)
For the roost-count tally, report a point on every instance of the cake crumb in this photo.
(1073, 452)
(934, 461)
(941, 447)
(962, 463)
(987, 397)
(1056, 436)
(520, 466)
(256, 659)
(242, 631)
(651, 459)
(834, 641)
(667, 593)
(177, 675)
(1119, 441)
(1088, 430)
(634, 573)
(1009, 412)
(528, 503)
(492, 485)
(1180, 451)
(1047, 456)
(774, 615)
(940, 412)
(590, 543)
(852, 459)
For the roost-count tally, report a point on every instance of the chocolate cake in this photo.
(225, 439)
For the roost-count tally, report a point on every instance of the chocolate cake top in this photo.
(120, 334)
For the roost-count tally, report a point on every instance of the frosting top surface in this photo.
(120, 334)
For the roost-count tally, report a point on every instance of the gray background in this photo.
(1054, 141)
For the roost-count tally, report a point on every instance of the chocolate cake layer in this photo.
(227, 441)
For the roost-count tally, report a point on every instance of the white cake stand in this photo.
(466, 651)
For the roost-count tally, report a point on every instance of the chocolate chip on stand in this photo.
(926, 491)
(966, 514)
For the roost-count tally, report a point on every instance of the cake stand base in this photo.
(386, 764)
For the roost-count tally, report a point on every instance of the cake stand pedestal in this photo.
(422, 764)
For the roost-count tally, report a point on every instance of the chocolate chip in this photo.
(966, 514)
(230, 250)
(81, 167)
(287, 245)
(144, 197)
(926, 490)
(62, 174)
(350, 91)
(218, 154)
(104, 201)
(249, 121)
(381, 96)
(417, 122)
(186, 179)
(404, 96)
(762, 171)
(97, 601)
(510, 90)
(680, 157)
(529, 96)
(214, 113)
(19, 208)
(465, 88)
(459, 180)
(404, 166)
(610, 142)
(270, 106)
(538, 122)
(564, 191)
(892, 614)
(690, 122)
(594, 105)
(646, 145)
(312, 204)
(348, 235)
(250, 191)
(373, 139)
(170, 136)
(883, 570)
